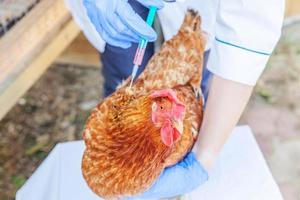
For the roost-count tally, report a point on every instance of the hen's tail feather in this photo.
(191, 28)
(192, 20)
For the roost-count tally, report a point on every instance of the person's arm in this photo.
(246, 34)
(226, 102)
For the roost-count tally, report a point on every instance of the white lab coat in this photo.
(241, 33)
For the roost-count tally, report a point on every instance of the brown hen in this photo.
(135, 133)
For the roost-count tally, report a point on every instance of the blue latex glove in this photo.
(179, 179)
(117, 23)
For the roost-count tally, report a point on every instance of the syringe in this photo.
(140, 52)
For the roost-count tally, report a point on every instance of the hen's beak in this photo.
(178, 124)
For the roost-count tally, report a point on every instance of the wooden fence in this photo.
(292, 8)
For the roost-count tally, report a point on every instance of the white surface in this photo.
(254, 25)
(240, 173)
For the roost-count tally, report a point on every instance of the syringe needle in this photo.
(133, 75)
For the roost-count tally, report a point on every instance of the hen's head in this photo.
(167, 114)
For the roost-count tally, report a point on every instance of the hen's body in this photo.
(124, 152)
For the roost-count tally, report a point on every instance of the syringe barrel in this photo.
(139, 55)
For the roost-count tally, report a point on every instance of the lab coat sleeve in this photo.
(246, 33)
(81, 18)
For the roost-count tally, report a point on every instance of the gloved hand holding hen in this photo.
(135, 136)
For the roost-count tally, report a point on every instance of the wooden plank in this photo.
(37, 66)
(292, 8)
(80, 53)
(12, 10)
(28, 37)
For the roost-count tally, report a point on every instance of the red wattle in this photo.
(166, 133)
(176, 134)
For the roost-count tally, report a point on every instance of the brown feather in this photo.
(124, 153)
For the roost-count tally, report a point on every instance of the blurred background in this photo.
(54, 79)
